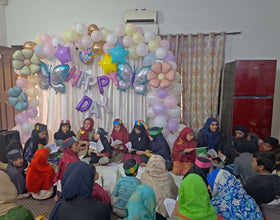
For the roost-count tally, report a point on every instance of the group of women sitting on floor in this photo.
(148, 147)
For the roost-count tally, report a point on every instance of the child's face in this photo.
(213, 126)
(65, 128)
(75, 147)
(239, 134)
(96, 177)
(189, 137)
(255, 164)
(267, 147)
(137, 131)
(117, 128)
(86, 124)
(18, 162)
(42, 134)
(96, 136)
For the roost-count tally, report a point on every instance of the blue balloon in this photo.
(118, 54)
(149, 59)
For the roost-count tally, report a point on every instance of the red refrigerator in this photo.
(248, 91)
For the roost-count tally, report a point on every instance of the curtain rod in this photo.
(204, 34)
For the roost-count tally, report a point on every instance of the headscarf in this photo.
(161, 181)
(122, 135)
(194, 202)
(211, 135)
(77, 181)
(84, 132)
(16, 173)
(142, 204)
(241, 128)
(178, 147)
(39, 173)
(104, 142)
(8, 194)
(140, 141)
(60, 135)
(230, 200)
(201, 167)
(35, 137)
(159, 145)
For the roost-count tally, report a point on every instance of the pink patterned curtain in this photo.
(199, 60)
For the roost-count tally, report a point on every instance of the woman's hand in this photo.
(99, 154)
(188, 150)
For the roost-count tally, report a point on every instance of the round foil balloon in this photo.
(86, 55)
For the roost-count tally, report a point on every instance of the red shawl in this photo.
(100, 194)
(84, 132)
(40, 174)
(179, 147)
(122, 135)
(67, 157)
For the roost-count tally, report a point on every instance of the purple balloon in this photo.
(63, 54)
(169, 57)
(31, 112)
(159, 108)
(120, 41)
(21, 118)
(162, 93)
(81, 107)
(102, 81)
(172, 125)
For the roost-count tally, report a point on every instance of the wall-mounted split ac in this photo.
(141, 16)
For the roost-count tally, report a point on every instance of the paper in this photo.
(169, 205)
(214, 155)
(128, 145)
(96, 146)
(115, 142)
(53, 147)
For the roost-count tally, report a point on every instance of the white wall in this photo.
(258, 20)
(3, 29)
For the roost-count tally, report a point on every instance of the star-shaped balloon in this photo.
(118, 54)
(107, 64)
(63, 54)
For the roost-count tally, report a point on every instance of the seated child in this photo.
(39, 177)
(270, 144)
(64, 132)
(85, 134)
(99, 192)
(139, 141)
(121, 135)
(125, 187)
(101, 151)
(16, 167)
(38, 137)
(184, 153)
(265, 188)
(71, 149)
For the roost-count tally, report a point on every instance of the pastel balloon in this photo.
(45, 38)
(171, 138)
(176, 89)
(174, 112)
(107, 64)
(102, 81)
(34, 79)
(113, 77)
(149, 59)
(37, 39)
(94, 109)
(169, 57)
(33, 103)
(180, 128)
(150, 113)
(29, 45)
(140, 30)
(31, 92)
(97, 48)
(130, 29)
(49, 50)
(74, 76)
(138, 38)
(87, 41)
(170, 101)
(142, 50)
(112, 39)
(160, 121)
(86, 56)
(127, 41)
(21, 118)
(119, 30)
(22, 82)
(92, 28)
(24, 137)
(172, 125)
(162, 93)
(149, 35)
(106, 48)
(118, 54)
(31, 112)
(90, 81)
(82, 79)
(159, 108)
(151, 97)
(96, 36)
(81, 29)
(161, 53)
(173, 64)
(104, 105)
(120, 41)
(63, 54)
(104, 34)
(84, 104)
(38, 49)
(69, 35)
(27, 127)
(132, 52)
(153, 45)
(164, 44)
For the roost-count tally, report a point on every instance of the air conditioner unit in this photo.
(138, 16)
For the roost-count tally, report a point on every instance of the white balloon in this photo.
(160, 121)
(57, 40)
(127, 41)
(27, 128)
(150, 113)
(165, 132)
(175, 89)
(119, 30)
(132, 52)
(149, 35)
(87, 41)
(142, 49)
(112, 39)
(33, 103)
(173, 64)
(180, 128)
(81, 29)
(152, 98)
(161, 53)
(171, 138)
(174, 112)
(96, 36)
(16, 128)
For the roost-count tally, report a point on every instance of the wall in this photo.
(3, 29)
(257, 19)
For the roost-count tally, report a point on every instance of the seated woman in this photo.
(84, 135)
(230, 200)
(16, 167)
(142, 204)
(157, 176)
(77, 184)
(64, 132)
(139, 141)
(39, 177)
(235, 143)
(184, 152)
(9, 209)
(209, 136)
(194, 202)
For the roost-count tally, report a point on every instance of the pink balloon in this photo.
(45, 38)
(113, 77)
(140, 30)
(22, 82)
(24, 137)
(106, 47)
(164, 44)
(31, 112)
(21, 118)
(49, 50)
(170, 101)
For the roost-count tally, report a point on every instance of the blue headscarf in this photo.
(230, 200)
(142, 204)
(77, 181)
(211, 135)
